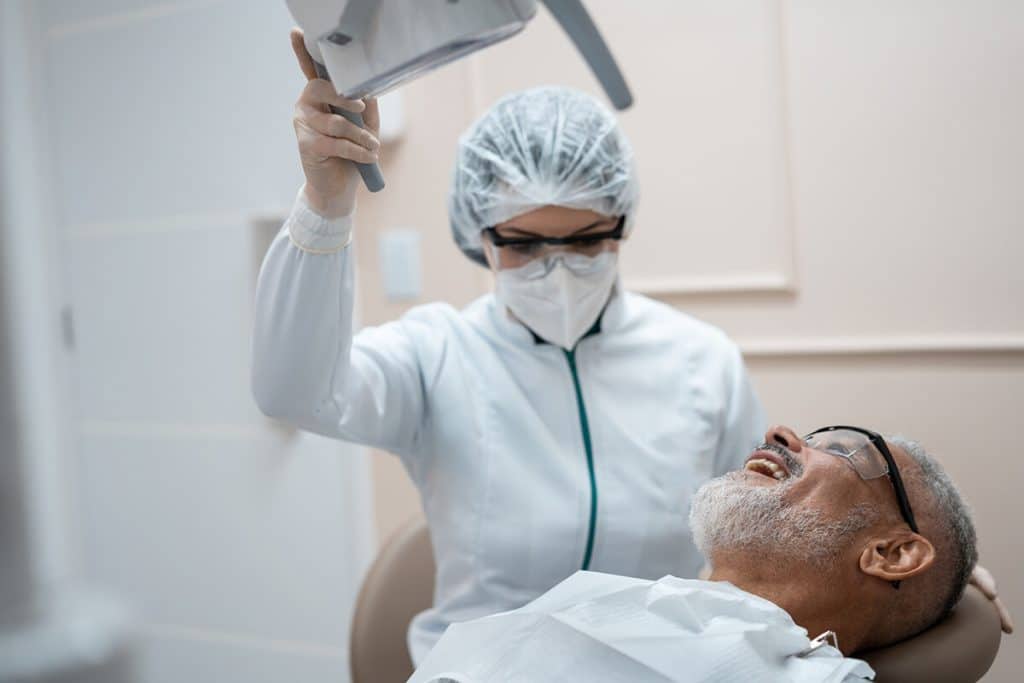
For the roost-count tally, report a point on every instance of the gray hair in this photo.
(957, 546)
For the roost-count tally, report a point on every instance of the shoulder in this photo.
(432, 314)
(432, 329)
(666, 325)
(444, 312)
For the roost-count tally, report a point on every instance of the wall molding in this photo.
(910, 345)
(252, 642)
(782, 279)
(151, 429)
(186, 222)
(734, 283)
(121, 19)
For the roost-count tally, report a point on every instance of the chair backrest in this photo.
(400, 585)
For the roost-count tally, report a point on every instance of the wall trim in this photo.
(120, 19)
(254, 642)
(209, 220)
(978, 344)
(151, 429)
(735, 283)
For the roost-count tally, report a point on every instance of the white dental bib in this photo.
(600, 627)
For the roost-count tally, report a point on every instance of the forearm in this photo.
(303, 315)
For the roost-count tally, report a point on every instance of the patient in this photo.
(841, 531)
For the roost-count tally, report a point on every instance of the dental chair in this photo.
(400, 584)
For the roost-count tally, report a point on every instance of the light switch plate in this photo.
(392, 117)
(399, 250)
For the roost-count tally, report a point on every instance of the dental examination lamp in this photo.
(367, 47)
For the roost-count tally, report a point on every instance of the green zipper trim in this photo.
(585, 428)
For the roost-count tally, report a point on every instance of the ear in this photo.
(897, 557)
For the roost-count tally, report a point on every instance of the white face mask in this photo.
(563, 304)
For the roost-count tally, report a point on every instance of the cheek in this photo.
(826, 485)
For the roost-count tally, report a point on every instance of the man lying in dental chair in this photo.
(862, 539)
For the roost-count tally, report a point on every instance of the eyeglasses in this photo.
(869, 455)
(516, 252)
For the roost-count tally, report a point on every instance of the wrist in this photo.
(330, 208)
(317, 234)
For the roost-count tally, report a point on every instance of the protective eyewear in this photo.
(516, 252)
(868, 454)
(870, 457)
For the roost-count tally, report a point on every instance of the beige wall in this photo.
(836, 184)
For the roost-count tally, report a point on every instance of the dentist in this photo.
(560, 423)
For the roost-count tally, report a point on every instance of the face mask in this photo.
(563, 304)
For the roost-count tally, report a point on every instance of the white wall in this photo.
(53, 628)
(836, 184)
(239, 544)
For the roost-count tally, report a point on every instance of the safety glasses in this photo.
(577, 250)
(868, 454)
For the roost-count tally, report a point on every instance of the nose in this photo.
(785, 437)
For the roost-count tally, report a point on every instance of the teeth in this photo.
(766, 467)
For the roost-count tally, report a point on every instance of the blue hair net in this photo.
(539, 147)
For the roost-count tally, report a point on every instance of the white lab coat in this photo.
(508, 439)
(597, 627)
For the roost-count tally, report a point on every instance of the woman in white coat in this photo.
(560, 423)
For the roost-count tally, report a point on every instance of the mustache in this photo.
(792, 464)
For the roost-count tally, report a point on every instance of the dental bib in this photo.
(600, 627)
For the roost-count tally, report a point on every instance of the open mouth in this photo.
(767, 463)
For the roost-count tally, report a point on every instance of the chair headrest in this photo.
(960, 648)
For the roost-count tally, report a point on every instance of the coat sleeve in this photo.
(743, 425)
(307, 369)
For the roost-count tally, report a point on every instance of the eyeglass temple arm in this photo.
(897, 484)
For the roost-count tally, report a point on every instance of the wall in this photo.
(239, 544)
(835, 184)
(45, 611)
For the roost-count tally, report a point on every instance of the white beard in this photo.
(728, 514)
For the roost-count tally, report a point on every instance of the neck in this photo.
(818, 601)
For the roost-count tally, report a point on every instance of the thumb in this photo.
(302, 54)
(371, 115)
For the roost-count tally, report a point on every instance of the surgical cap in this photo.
(539, 147)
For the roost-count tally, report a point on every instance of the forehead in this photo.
(553, 221)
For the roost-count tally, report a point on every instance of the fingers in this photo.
(985, 582)
(302, 54)
(371, 115)
(1004, 616)
(337, 126)
(323, 133)
(320, 94)
(326, 146)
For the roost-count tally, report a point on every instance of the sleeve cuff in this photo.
(311, 232)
